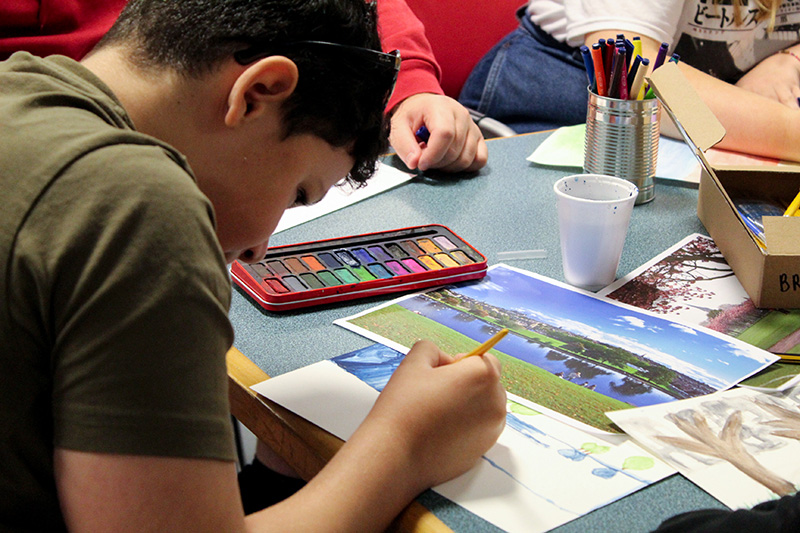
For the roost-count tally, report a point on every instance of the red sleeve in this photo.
(400, 29)
(73, 27)
(67, 27)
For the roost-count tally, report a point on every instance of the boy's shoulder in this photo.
(62, 122)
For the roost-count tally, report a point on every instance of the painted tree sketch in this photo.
(740, 445)
(692, 282)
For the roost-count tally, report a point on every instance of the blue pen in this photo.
(628, 50)
(602, 43)
(588, 64)
(632, 71)
(422, 134)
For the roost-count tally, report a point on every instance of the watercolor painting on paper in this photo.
(540, 474)
(569, 352)
(740, 445)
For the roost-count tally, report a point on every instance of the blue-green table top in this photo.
(508, 205)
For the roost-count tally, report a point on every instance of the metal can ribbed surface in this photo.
(622, 140)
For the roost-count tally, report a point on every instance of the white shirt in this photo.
(693, 23)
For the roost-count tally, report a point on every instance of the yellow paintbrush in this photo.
(486, 346)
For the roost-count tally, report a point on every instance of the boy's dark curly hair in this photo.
(341, 91)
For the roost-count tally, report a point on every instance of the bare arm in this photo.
(753, 123)
(105, 492)
(777, 77)
(432, 422)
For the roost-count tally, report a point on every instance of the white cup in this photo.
(593, 215)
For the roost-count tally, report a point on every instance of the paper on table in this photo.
(568, 351)
(385, 178)
(540, 474)
(691, 282)
(753, 431)
(565, 148)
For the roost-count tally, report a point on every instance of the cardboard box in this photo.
(771, 277)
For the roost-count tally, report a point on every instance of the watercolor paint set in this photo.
(333, 270)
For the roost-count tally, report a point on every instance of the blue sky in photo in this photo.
(716, 360)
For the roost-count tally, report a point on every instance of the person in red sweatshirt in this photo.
(73, 27)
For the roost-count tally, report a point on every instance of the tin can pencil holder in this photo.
(622, 141)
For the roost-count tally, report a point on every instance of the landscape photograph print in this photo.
(567, 351)
(692, 282)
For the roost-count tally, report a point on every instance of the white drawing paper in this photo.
(540, 474)
(386, 177)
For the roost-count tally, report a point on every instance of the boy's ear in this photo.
(265, 83)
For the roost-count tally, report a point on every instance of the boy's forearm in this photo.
(363, 488)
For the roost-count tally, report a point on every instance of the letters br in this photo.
(789, 284)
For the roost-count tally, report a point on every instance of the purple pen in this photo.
(616, 72)
(662, 54)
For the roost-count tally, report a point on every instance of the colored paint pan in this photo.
(295, 265)
(347, 258)
(274, 285)
(328, 278)
(312, 262)
(412, 248)
(396, 250)
(429, 246)
(445, 260)
(379, 271)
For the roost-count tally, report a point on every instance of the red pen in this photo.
(608, 60)
(599, 71)
(616, 73)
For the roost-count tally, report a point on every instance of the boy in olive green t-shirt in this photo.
(129, 180)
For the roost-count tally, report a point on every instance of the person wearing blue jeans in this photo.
(743, 60)
(500, 85)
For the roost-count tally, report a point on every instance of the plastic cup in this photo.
(593, 215)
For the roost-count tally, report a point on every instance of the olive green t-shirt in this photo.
(115, 295)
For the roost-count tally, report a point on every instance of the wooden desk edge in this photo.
(305, 446)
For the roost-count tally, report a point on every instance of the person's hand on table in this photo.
(455, 144)
(777, 77)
